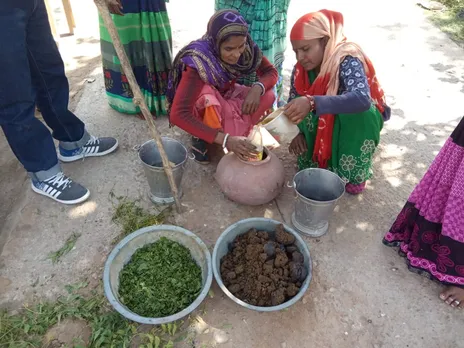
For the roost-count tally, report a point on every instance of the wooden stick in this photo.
(138, 99)
(69, 16)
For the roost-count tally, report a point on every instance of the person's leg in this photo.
(49, 79)
(29, 139)
(21, 21)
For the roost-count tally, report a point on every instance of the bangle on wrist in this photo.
(263, 89)
(224, 143)
(312, 103)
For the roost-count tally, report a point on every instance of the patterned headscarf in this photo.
(329, 24)
(204, 55)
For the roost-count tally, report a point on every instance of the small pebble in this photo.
(220, 337)
(394, 269)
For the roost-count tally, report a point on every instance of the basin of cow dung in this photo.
(264, 227)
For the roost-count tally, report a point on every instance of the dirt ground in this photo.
(361, 295)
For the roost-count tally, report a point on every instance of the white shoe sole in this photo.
(76, 201)
(67, 159)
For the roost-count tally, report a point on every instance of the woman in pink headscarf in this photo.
(335, 99)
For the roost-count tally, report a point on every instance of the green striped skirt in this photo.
(145, 32)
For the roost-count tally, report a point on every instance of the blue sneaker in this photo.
(95, 147)
(61, 189)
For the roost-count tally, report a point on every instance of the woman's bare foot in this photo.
(453, 296)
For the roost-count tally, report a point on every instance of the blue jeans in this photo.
(32, 71)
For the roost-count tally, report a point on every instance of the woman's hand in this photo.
(252, 100)
(298, 145)
(116, 8)
(297, 109)
(242, 147)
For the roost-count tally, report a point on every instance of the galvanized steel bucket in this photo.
(317, 192)
(160, 190)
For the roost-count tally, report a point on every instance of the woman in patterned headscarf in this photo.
(204, 99)
(268, 28)
(335, 99)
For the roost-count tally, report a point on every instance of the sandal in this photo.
(355, 189)
(200, 151)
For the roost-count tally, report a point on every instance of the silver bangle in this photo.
(224, 143)
(262, 87)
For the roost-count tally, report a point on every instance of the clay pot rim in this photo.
(258, 163)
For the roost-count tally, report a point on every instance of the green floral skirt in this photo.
(355, 138)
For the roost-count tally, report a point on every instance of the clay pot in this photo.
(251, 183)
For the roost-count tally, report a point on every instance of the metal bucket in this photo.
(317, 191)
(160, 190)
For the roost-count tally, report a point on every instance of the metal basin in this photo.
(123, 252)
(261, 224)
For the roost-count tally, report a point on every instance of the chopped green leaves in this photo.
(160, 280)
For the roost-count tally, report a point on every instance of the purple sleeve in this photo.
(293, 93)
(355, 94)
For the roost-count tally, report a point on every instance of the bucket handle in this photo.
(138, 147)
(290, 185)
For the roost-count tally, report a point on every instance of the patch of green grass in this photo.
(131, 217)
(109, 329)
(451, 21)
(453, 4)
(66, 248)
(28, 327)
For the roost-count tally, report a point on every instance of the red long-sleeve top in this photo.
(189, 90)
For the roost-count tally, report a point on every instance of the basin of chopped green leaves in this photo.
(161, 279)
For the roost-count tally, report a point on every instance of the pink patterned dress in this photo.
(430, 229)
